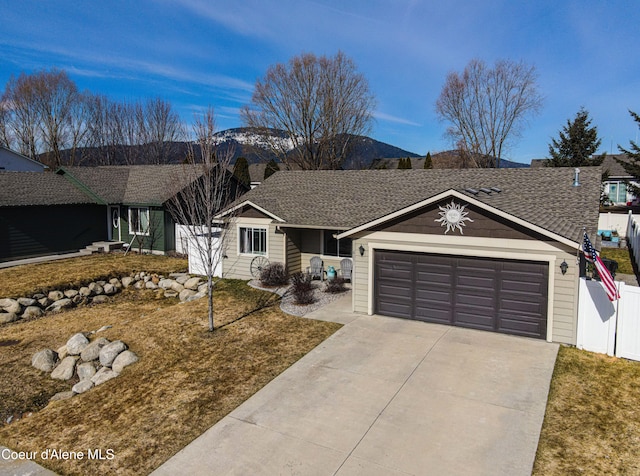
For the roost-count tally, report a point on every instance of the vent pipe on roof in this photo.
(576, 179)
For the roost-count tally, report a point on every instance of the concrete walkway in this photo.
(386, 396)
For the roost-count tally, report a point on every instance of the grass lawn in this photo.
(187, 378)
(592, 422)
(621, 255)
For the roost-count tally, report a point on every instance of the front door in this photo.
(113, 226)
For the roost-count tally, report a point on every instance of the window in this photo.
(334, 247)
(618, 192)
(138, 221)
(253, 241)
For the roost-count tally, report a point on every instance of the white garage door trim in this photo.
(500, 254)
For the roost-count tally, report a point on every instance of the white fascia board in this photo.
(471, 200)
(251, 204)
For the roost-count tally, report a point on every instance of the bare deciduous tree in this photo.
(487, 108)
(321, 104)
(204, 187)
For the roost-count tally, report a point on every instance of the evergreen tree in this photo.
(241, 171)
(404, 164)
(270, 169)
(427, 161)
(632, 166)
(577, 142)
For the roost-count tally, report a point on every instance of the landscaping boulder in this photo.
(26, 302)
(110, 289)
(183, 278)
(110, 351)
(116, 282)
(32, 311)
(85, 371)
(103, 375)
(79, 299)
(44, 360)
(71, 293)
(139, 284)
(186, 294)
(123, 359)
(82, 386)
(62, 396)
(177, 287)
(192, 283)
(96, 288)
(85, 291)
(62, 352)
(10, 306)
(77, 343)
(55, 295)
(150, 285)
(99, 299)
(44, 302)
(92, 350)
(6, 317)
(165, 283)
(60, 304)
(126, 281)
(170, 294)
(65, 369)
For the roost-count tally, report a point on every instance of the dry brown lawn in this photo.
(74, 272)
(592, 422)
(187, 378)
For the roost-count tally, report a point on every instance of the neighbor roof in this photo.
(38, 188)
(346, 199)
(609, 164)
(132, 184)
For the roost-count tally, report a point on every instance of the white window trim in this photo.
(131, 232)
(253, 227)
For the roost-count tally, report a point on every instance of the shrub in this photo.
(336, 285)
(274, 274)
(302, 288)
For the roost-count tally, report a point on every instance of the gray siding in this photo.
(236, 265)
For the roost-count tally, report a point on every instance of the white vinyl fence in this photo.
(607, 327)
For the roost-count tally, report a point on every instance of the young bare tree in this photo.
(159, 128)
(21, 114)
(320, 105)
(205, 186)
(487, 108)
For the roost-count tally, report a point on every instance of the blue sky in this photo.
(195, 53)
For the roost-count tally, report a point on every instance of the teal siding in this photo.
(42, 230)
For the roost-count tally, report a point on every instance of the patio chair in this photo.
(346, 268)
(316, 270)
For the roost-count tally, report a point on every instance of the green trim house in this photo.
(479, 248)
(45, 213)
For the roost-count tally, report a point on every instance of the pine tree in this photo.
(632, 166)
(577, 142)
(271, 168)
(241, 171)
(404, 164)
(427, 161)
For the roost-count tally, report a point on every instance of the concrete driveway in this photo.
(386, 396)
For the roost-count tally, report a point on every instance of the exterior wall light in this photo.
(361, 250)
(563, 267)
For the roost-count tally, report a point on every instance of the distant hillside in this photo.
(239, 142)
(450, 159)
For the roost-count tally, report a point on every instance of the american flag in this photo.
(591, 255)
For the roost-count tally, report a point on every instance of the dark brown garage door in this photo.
(491, 294)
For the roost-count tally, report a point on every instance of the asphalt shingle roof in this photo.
(38, 188)
(346, 199)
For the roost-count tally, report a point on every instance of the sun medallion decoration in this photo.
(453, 216)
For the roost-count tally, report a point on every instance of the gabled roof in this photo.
(38, 188)
(543, 197)
(132, 184)
(609, 164)
(8, 155)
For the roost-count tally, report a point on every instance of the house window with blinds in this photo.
(253, 241)
(138, 221)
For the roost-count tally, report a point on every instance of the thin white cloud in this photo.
(398, 120)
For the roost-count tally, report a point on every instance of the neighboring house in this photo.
(479, 248)
(42, 213)
(106, 203)
(450, 159)
(15, 162)
(615, 185)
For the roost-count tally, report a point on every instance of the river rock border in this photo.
(176, 285)
(93, 362)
